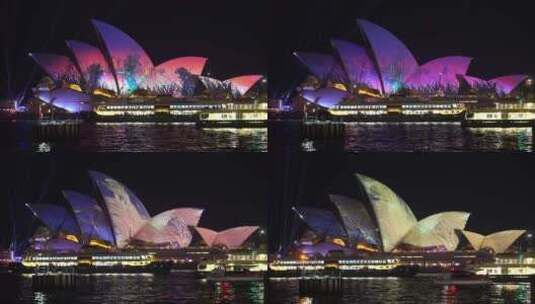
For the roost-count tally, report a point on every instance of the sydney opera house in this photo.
(120, 79)
(383, 223)
(383, 77)
(117, 223)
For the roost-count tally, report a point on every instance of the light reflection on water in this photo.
(142, 137)
(439, 137)
(406, 290)
(106, 289)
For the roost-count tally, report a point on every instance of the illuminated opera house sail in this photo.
(384, 66)
(121, 68)
(117, 218)
(384, 222)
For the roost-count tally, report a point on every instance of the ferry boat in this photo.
(399, 111)
(92, 263)
(502, 115)
(236, 266)
(507, 267)
(344, 267)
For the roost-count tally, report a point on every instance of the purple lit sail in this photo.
(61, 245)
(127, 212)
(131, 63)
(90, 216)
(326, 97)
(67, 99)
(506, 84)
(323, 249)
(440, 72)
(56, 218)
(325, 67)
(395, 61)
(359, 67)
(323, 222)
(94, 67)
(58, 67)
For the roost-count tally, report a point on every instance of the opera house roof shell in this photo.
(498, 242)
(387, 66)
(119, 219)
(385, 221)
(122, 66)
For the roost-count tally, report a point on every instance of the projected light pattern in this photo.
(129, 59)
(358, 65)
(242, 84)
(506, 84)
(441, 72)
(90, 216)
(58, 67)
(388, 66)
(396, 63)
(170, 227)
(66, 99)
(326, 97)
(93, 65)
(127, 212)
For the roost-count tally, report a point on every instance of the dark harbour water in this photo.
(403, 291)
(141, 137)
(428, 137)
(111, 289)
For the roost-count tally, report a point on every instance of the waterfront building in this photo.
(384, 79)
(117, 220)
(382, 222)
(121, 81)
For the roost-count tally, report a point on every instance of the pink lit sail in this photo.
(170, 227)
(167, 73)
(58, 67)
(91, 60)
(439, 72)
(475, 82)
(207, 235)
(130, 61)
(359, 67)
(506, 84)
(242, 84)
(232, 238)
(394, 59)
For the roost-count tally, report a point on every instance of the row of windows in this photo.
(385, 261)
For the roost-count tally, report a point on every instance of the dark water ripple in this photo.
(429, 137)
(404, 291)
(144, 137)
(111, 289)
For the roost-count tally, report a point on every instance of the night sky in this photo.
(499, 35)
(496, 188)
(232, 188)
(232, 34)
